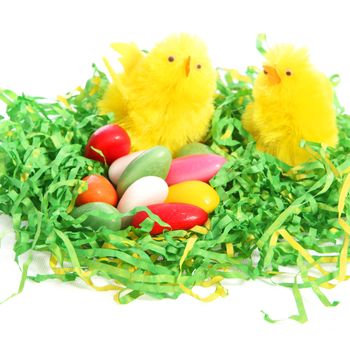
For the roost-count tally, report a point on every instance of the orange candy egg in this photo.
(99, 190)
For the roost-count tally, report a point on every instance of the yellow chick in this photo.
(292, 102)
(164, 97)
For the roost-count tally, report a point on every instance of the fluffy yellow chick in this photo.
(292, 102)
(164, 97)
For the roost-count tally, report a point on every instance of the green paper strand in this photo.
(42, 164)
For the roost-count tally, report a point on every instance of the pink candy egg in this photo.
(200, 167)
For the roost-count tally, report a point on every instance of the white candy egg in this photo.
(119, 165)
(145, 191)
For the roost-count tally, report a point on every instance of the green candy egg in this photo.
(193, 148)
(154, 162)
(95, 221)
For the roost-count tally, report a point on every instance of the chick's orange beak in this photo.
(272, 74)
(187, 65)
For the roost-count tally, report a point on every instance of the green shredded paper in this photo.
(272, 221)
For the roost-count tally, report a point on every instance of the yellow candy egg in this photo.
(196, 193)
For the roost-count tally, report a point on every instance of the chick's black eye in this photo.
(265, 72)
(288, 72)
(198, 66)
(171, 58)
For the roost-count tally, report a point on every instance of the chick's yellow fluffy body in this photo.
(164, 97)
(292, 102)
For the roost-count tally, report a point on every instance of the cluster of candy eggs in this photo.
(176, 190)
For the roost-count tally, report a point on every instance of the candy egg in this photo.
(153, 162)
(201, 167)
(95, 220)
(99, 190)
(119, 165)
(194, 192)
(193, 148)
(145, 191)
(111, 140)
(178, 216)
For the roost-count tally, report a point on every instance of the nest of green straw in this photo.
(270, 217)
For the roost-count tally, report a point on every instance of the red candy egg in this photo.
(178, 216)
(111, 140)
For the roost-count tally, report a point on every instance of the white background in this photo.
(47, 48)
